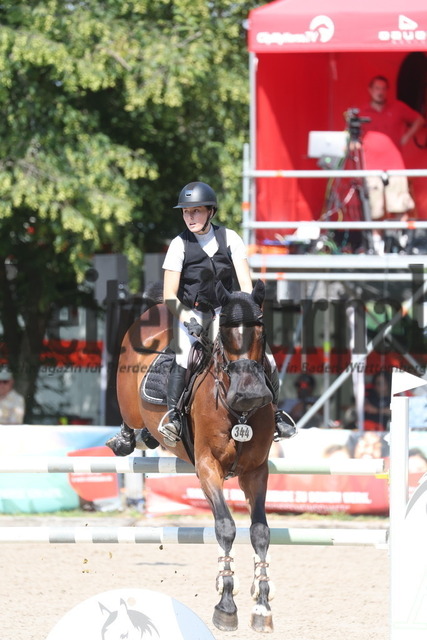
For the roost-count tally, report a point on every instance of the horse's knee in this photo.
(225, 531)
(260, 538)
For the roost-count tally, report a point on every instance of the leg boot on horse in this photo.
(171, 430)
(285, 425)
(127, 440)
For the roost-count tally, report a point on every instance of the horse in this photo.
(126, 623)
(230, 421)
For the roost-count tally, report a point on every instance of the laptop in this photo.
(327, 143)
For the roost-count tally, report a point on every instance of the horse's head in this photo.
(242, 336)
(126, 623)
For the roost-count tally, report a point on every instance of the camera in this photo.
(354, 122)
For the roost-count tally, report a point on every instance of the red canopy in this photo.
(337, 25)
(311, 61)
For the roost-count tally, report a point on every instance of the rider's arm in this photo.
(170, 295)
(243, 274)
(240, 261)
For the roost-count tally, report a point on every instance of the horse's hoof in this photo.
(262, 620)
(121, 446)
(225, 621)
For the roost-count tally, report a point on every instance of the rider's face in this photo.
(195, 218)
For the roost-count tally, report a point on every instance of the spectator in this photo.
(377, 403)
(368, 445)
(12, 404)
(297, 407)
(400, 123)
(417, 461)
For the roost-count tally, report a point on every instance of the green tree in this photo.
(107, 109)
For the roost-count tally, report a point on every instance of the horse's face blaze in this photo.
(248, 389)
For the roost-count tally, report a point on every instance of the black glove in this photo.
(194, 328)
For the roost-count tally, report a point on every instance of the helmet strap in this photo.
(208, 219)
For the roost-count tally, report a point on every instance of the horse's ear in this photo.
(222, 294)
(258, 292)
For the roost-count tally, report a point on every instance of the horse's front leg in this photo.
(254, 486)
(211, 481)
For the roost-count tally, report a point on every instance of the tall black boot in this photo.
(285, 425)
(171, 430)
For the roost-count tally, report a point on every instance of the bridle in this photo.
(220, 367)
(224, 365)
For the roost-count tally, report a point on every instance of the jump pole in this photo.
(408, 525)
(190, 535)
(82, 464)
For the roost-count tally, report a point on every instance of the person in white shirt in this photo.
(12, 404)
(196, 260)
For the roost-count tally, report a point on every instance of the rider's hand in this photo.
(194, 328)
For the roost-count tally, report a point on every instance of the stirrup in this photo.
(171, 430)
(285, 426)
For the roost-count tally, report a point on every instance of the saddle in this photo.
(155, 383)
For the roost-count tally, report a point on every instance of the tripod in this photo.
(348, 197)
(347, 200)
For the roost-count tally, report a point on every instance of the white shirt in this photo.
(175, 254)
(12, 408)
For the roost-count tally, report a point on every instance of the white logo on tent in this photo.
(325, 27)
(321, 29)
(407, 23)
(407, 32)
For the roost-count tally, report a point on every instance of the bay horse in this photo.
(231, 423)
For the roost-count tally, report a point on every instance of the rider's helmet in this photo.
(197, 194)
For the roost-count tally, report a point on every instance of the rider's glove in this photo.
(194, 328)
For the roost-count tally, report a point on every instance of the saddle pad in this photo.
(155, 383)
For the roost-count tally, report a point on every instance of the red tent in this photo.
(310, 62)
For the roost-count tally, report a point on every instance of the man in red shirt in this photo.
(394, 118)
(392, 125)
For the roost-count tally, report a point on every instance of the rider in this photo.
(195, 261)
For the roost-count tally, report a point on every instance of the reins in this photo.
(222, 365)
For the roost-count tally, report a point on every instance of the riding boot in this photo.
(285, 425)
(171, 430)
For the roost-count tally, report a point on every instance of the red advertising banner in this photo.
(308, 493)
(94, 487)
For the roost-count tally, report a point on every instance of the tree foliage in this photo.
(107, 109)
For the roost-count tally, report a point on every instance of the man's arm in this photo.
(417, 124)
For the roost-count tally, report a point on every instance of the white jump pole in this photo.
(190, 535)
(129, 465)
(408, 525)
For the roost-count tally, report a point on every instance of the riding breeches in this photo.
(183, 340)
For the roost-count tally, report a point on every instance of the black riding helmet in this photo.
(197, 194)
